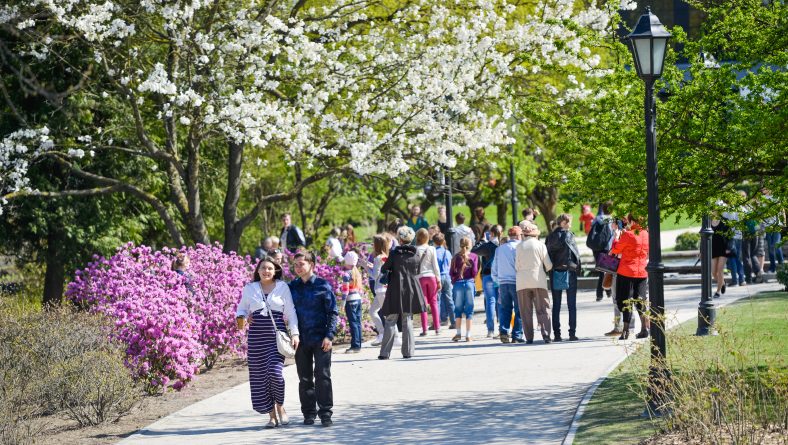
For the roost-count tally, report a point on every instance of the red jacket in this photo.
(633, 248)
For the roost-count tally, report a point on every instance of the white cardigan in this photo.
(280, 300)
(429, 265)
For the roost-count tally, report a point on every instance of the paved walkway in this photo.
(458, 393)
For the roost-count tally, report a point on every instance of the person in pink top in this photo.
(632, 278)
(464, 267)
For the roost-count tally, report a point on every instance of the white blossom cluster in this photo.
(17, 150)
(429, 85)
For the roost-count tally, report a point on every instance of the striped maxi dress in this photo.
(265, 363)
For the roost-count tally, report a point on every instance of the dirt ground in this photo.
(223, 376)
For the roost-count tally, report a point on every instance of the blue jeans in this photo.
(353, 313)
(735, 263)
(446, 300)
(508, 293)
(490, 301)
(571, 302)
(775, 251)
(463, 293)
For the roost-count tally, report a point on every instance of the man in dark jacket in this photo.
(403, 294)
(316, 308)
(601, 244)
(292, 237)
(486, 253)
(566, 263)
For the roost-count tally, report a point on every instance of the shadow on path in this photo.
(497, 417)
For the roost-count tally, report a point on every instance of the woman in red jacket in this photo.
(631, 282)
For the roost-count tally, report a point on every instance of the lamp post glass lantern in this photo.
(648, 43)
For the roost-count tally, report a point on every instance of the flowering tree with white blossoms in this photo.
(193, 93)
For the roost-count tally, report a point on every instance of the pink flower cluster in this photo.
(170, 322)
(174, 322)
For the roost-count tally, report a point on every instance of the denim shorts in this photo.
(463, 292)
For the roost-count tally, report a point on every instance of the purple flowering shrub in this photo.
(217, 279)
(170, 323)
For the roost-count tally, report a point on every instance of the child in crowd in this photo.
(586, 218)
(351, 294)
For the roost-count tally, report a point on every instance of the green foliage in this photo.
(782, 274)
(721, 128)
(688, 241)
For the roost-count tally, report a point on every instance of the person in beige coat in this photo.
(532, 264)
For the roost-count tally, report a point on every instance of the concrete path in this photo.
(458, 393)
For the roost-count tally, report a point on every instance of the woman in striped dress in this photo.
(267, 292)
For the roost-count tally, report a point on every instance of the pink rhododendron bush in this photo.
(171, 323)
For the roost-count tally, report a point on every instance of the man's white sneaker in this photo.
(378, 341)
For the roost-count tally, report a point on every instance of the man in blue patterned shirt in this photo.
(316, 308)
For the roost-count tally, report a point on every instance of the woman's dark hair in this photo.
(394, 225)
(439, 239)
(268, 259)
(530, 211)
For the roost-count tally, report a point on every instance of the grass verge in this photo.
(752, 337)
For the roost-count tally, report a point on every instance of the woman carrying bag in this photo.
(565, 256)
(404, 296)
(266, 304)
(632, 278)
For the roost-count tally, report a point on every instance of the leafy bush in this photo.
(782, 275)
(688, 241)
(59, 362)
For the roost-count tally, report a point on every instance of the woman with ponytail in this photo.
(464, 267)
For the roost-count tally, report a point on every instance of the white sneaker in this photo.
(378, 340)
(489, 334)
(398, 341)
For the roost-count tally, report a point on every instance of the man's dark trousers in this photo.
(314, 386)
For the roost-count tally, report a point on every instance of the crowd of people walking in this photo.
(412, 272)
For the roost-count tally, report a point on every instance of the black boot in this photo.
(625, 332)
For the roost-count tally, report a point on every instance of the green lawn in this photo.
(752, 330)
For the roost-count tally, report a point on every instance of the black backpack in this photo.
(600, 235)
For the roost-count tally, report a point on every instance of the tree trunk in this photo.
(232, 236)
(501, 209)
(195, 219)
(55, 268)
(545, 199)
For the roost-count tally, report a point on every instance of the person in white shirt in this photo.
(428, 279)
(333, 246)
(266, 306)
(462, 230)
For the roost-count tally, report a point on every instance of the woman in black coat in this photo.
(403, 295)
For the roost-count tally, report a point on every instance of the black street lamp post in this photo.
(648, 43)
(707, 312)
